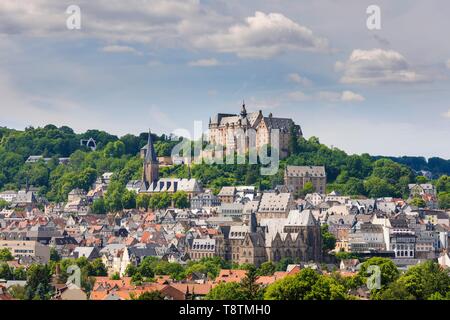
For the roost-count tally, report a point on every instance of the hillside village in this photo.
(174, 237)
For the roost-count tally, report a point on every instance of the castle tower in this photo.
(151, 166)
(243, 111)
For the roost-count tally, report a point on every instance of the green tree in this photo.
(443, 184)
(180, 200)
(113, 197)
(308, 188)
(38, 281)
(377, 187)
(96, 268)
(295, 287)
(388, 270)
(41, 292)
(328, 239)
(143, 201)
(114, 149)
(327, 288)
(250, 288)
(421, 179)
(346, 255)
(354, 187)
(226, 291)
(129, 199)
(396, 291)
(418, 202)
(283, 263)
(20, 274)
(267, 269)
(115, 276)
(5, 255)
(99, 206)
(425, 279)
(17, 292)
(5, 272)
(160, 200)
(150, 295)
(54, 255)
(3, 203)
(444, 200)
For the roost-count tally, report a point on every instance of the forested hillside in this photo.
(55, 180)
(349, 174)
(437, 166)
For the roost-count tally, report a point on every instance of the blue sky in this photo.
(164, 64)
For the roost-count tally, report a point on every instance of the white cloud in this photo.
(446, 114)
(296, 78)
(120, 49)
(377, 66)
(156, 22)
(255, 104)
(326, 96)
(204, 63)
(349, 96)
(263, 36)
(36, 18)
(448, 64)
(298, 96)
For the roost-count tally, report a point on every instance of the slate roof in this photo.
(305, 171)
(273, 202)
(304, 218)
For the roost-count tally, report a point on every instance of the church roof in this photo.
(282, 124)
(174, 185)
(222, 119)
(273, 202)
(304, 218)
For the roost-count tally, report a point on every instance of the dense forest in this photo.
(350, 174)
(436, 166)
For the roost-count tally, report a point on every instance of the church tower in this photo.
(151, 165)
(243, 111)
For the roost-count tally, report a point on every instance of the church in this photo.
(152, 183)
(224, 130)
(297, 237)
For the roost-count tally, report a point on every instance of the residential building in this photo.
(205, 200)
(8, 195)
(418, 190)
(296, 177)
(27, 248)
(367, 238)
(275, 205)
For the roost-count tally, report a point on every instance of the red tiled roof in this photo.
(227, 275)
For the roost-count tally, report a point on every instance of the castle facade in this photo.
(245, 131)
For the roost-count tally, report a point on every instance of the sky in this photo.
(140, 64)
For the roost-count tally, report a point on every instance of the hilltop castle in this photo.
(224, 129)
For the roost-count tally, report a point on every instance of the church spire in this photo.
(150, 172)
(150, 155)
(243, 110)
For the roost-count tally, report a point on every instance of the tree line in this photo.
(357, 175)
